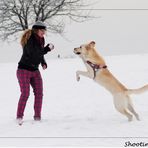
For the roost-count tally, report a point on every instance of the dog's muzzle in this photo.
(76, 52)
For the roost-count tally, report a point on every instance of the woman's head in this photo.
(39, 28)
(39, 32)
(39, 25)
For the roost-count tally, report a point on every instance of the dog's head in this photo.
(88, 53)
(85, 49)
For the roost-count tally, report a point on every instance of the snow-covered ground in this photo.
(75, 113)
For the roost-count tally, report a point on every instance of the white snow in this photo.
(75, 113)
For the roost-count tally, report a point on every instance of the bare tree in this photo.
(18, 15)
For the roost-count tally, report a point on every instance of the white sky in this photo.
(115, 31)
(121, 4)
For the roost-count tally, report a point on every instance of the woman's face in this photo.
(41, 33)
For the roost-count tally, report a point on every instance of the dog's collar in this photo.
(95, 67)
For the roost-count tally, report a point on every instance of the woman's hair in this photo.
(26, 35)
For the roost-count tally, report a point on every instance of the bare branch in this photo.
(18, 15)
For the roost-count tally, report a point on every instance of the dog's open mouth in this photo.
(78, 53)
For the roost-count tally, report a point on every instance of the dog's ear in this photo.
(92, 44)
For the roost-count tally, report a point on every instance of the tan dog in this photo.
(97, 70)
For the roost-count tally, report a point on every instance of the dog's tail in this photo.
(138, 90)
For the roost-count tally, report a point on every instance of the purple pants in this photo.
(25, 79)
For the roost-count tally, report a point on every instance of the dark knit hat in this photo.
(39, 25)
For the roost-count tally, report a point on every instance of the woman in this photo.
(28, 72)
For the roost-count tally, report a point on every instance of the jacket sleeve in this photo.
(46, 49)
(43, 62)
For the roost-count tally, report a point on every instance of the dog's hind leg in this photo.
(128, 115)
(131, 109)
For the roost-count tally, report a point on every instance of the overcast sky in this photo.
(115, 31)
(120, 4)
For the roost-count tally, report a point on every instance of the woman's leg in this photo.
(37, 85)
(24, 82)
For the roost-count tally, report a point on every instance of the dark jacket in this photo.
(33, 53)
